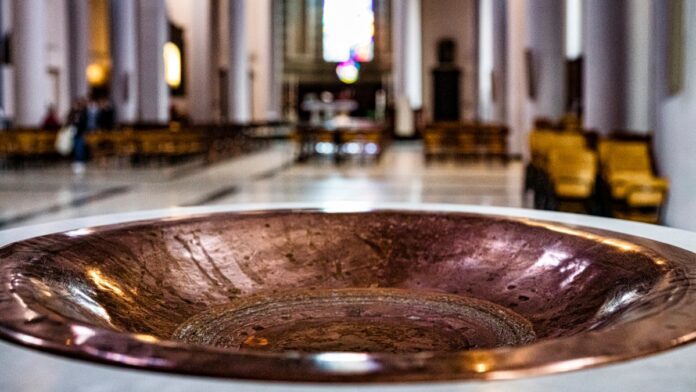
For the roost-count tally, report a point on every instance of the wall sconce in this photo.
(172, 65)
(96, 75)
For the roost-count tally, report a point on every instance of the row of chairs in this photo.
(27, 142)
(131, 145)
(36, 146)
(630, 181)
(148, 145)
(562, 172)
(457, 140)
(21, 147)
(578, 172)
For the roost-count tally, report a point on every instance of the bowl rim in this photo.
(558, 355)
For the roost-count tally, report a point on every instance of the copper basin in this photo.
(380, 296)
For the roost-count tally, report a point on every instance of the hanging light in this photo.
(172, 65)
(348, 72)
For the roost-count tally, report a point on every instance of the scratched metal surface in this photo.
(116, 285)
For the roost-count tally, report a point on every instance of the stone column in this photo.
(275, 104)
(239, 101)
(124, 63)
(2, 66)
(640, 66)
(78, 47)
(517, 96)
(153, 33)
(200, 86)
(604, 98)
(674, 103)
(492, 60)
(407, 70)
(31, 83)
(545, 21)
(266, 54)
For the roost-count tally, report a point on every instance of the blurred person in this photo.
(106, 116)
(78, 117)
(51, 121)
(3, 119)
(91, 115)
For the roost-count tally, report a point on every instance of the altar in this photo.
(341, 138)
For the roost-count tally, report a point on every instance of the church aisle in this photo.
(43, 195)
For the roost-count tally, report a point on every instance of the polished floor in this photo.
(42, 195)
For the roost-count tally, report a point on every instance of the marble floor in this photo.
(42, 195)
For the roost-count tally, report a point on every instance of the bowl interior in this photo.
(378, 282)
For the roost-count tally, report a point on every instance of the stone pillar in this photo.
(153, 33)
(604, 105)
(31, 83)
(407, 70)
(200, 86)
(265, 52)
(517, 96)
(492, 60)
(78, 47)
(124, 63)
(275, 104)
(640, 66)
(2, 67)
(239, 101)
(545, 21)
(673, 92)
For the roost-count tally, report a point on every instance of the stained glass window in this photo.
(348, 30)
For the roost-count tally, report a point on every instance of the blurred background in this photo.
(584, 106)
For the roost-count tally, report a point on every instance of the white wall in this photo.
(451, 19)
(675, 137)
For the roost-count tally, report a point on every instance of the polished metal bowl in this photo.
(307, 295)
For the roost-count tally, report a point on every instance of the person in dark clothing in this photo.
(51, 121)
(78, 118)
(92, 115)
(106, 117)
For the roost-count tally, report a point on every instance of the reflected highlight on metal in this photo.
(347, 296)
